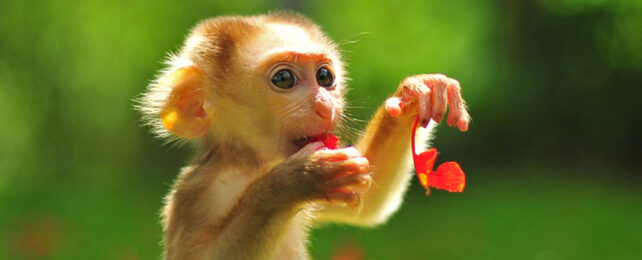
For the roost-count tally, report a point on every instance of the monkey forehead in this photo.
(290, 56)
(283, 38)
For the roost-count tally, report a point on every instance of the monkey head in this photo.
(271, 80)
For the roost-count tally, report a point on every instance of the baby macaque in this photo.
(249, 93)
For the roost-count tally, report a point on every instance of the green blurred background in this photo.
(552, 156)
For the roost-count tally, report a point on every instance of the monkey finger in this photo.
(364, 186)
(410, 88)
(393, 106)
(350, 151)
(310, 149)
(336, 169)
(365, 182)
(455, 112)
(458, 115)
(360, 181)
(439, 102)
(463, 122)
(348, 197)
(356, 165)
(424, 107)
(453, 118)
(338, 154)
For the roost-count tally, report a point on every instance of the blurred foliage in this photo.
(553, 88)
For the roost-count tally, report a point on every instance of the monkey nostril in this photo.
(325, 113)
(323, 105)
(324, 110)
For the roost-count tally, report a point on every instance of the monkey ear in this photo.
(184, 113)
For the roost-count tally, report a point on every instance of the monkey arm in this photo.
(386, 144)
(252, 228)
(275, 204)
(256, 226)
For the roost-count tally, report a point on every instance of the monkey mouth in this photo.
(300, 143)
(329, 140)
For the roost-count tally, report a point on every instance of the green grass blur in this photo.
(552, 157)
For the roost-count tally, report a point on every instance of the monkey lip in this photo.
(300, 143)
(329, 140)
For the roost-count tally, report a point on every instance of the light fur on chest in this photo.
(216, 195)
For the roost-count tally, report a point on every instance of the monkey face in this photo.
(301, 93)
(296, 85)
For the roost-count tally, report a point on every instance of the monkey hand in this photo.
(318, 174)
(429, 95)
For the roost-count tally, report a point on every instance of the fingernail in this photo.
(438, 118)
(451, 121)
(352, 152)
(463, 126)
(424, 122)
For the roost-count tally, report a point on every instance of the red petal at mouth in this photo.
(329, 140)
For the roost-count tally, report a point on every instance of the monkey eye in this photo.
(325, 77)
(284, 79)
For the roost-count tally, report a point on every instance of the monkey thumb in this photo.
(393, 106)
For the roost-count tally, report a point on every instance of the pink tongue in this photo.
(329, 140)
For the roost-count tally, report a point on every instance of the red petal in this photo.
(329, 140)
(425, 161)
(449, 176)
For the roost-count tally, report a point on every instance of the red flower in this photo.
(448, 176)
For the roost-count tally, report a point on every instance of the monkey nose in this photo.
(324, 111)
(324, 108)
(323, 105)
